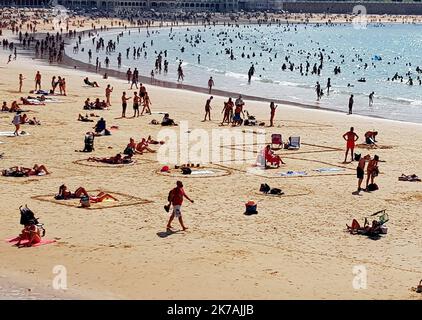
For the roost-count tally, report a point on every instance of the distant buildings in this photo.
(158, 5)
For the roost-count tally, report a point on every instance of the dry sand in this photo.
(295, 248)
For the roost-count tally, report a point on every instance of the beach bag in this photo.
(373, 187)
(186, 170)
(357, 156)
(85, 203)
(250, 210)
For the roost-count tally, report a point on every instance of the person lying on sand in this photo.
(367, 229)
(31, 102)
(25, 172)
(65, 194)
(100, 197)
(117, 159)
(91, 84)
(152, 141)
(84, 119)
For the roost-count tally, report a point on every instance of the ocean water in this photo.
(269, 46)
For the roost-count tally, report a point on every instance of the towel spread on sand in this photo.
(14, 241)
(199, 172)
(158, 112)
(12, 134)
(321, 170)
(293, 173)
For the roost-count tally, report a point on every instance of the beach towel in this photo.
(12, 134)
(322, 170)
(294, 174)
(158, 112)
(14, 241)
(200, 172)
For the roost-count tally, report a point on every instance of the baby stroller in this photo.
(28, 217)
(89, 142)
(250, 121)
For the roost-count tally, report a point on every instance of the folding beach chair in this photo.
(294, 143)
(276, 140)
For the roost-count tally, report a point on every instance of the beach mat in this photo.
(294, 174)
(14, 241)
(322, 170)
(11, 134)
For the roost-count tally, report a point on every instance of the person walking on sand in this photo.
(124, 104)
(208, 109)
(351, 137)
(21, 78)
(176, 196)
(272, 113)
(351, 104)
(146, 104)
(17, 122)
(210, 84)
(360, 170)
(38, 81)
(108, 92)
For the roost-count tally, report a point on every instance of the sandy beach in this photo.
(296, 247)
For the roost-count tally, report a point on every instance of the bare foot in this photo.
(185, 228)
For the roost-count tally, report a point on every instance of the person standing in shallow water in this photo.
(318, 90)
(351, 104)
(371, 98)
(210, 84)
(272, 113)
(328, 86)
